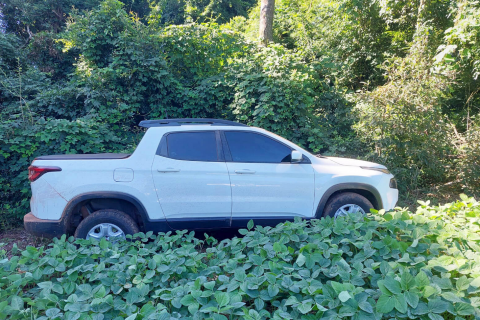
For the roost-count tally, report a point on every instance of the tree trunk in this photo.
(420, 13)
(267, 10)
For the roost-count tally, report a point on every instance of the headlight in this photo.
(377, 169)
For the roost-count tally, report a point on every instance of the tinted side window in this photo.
(253, 147)
(193, 146)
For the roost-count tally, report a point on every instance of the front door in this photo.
(266, 185)
(191, 180)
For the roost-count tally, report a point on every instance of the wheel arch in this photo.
(363, 189)
(93, 201)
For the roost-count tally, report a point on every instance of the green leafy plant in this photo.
(399, 264)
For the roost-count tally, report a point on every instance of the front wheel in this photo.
(113, 225)
(345, 203)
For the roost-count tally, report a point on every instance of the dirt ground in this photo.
(20, 237)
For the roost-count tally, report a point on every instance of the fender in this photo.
(67, 212)
(354, 186)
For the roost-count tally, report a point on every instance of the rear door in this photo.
(266, 185)
(192, 181)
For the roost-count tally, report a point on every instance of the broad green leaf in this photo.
(222, 298)
(407, 281)
(240, 274)
(301, 260)
(366, 306)
(52, 312)
(338, 287)
(421, 280)
(392, 285)
(133, 316)
(385, 304)
(452, 297)
(277, 247)
(305, 307)
(104, 244)
(17, 303)
(188, 300)
(476, 282)
(412, 299)
(421, 309)
(428, 291)
(437, 306)
(400, 303)
(344, 296)
(434, 316)
(192, 308)
(464, 309)
(209, 285)
(100, 293)
(462, 283)
(217, 316)
(273, 290)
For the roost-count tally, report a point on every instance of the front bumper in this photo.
(43, 228)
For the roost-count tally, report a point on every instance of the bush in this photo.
(275, 89)
(423, 265)
(469, 171)
(405, 122)
(22, 141)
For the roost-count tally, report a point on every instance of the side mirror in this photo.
(297, 156)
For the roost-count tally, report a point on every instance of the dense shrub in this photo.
(119, 62)
(267, 85)
(20, 144)
(404, 120)
(423, 265)
(469, 160)
(127, 71)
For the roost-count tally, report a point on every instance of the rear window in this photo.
(192, 146)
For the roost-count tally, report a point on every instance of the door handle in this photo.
(168, 170)
(245, 171)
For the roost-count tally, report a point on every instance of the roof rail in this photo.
(179, 122)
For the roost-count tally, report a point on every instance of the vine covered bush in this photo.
(399, 264)
(127, 71)
(395, 82)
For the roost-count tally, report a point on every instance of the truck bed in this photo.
(95, 156)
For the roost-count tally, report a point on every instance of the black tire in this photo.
(341, 199)
(116, 217)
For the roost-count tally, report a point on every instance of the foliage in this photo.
(220, 11)
(127, 71)
(422, 265)
(459, 57)
(265, 87)
(462, 39)
(349, 38)
(469, 171)
(404, 116)
(403, 73)
(19, 145)
(268, 82)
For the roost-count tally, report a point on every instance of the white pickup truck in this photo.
(198, 174)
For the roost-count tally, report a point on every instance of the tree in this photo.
(267, 10)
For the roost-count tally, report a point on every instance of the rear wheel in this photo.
(345, 203)
(113, 225)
